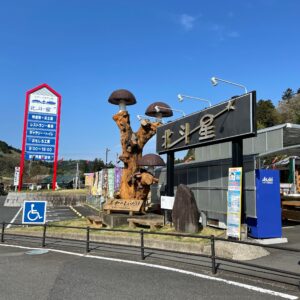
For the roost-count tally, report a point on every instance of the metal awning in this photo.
(289, 151)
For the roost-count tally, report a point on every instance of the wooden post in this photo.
(132, 148)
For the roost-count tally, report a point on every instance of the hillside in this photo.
(10, 158)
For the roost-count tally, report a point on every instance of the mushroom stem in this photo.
(151, 169)
(159, 117)
(122, 106)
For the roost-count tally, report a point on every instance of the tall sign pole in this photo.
(41, 128)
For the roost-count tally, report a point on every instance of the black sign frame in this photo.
(228, 120)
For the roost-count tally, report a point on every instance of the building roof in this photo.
(276, 140)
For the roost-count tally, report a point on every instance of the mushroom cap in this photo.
(151, 160)
(164, 110)
(122, 95)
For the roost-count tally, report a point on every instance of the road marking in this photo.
(230, 282)
(14, 218)
(76, 212)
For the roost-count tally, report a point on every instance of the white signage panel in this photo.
(167, 202)
(16, 176)
(46, 104)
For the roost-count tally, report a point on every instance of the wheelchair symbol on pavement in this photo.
(34, 212)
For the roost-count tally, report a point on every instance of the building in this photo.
(207, 176)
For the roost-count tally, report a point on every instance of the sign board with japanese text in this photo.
(41, 127)
(225, 121)
(123, 205)
(234, 202)
(16, 176)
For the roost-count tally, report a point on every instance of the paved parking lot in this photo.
(54, 214)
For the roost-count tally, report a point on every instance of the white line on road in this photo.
(230, 282)
(14, 218)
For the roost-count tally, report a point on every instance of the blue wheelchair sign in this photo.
(34, 212)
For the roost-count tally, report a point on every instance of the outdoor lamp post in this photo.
(181, 97)
(158, 108)
(215, 81)
(144, 119)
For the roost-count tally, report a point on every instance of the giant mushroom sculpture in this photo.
(122, 98)
(151, 161)
(159, 110)
(145, 178)
(132, 142)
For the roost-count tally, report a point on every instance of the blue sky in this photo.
(156, 49)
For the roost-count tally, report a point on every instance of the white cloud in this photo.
(222, 33)
(187, 21)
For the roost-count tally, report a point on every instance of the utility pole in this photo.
(106, 155)
(77, 176)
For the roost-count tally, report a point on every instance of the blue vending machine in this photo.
(268, 206)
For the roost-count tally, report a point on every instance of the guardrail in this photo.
(142, 246)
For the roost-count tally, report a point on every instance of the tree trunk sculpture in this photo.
(132, 148)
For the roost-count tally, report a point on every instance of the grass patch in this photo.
(207, 231)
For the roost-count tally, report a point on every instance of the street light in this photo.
(142, 117)
(145, 119)
(158, 109)
(215, 81)
(181, 97)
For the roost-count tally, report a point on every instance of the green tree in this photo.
(290, 110)
(98, 164)
(85, 166)
(287, 94)
(266, 114)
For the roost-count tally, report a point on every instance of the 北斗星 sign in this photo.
(228, 120)
(34, 212)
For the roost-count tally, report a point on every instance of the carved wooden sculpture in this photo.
(133, 142)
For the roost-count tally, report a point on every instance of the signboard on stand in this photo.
(16, 176)
(41, 128)
(234, 202)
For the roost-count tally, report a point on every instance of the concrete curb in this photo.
(15, 199)
(223, 249)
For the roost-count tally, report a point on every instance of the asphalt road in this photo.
(62, 276)
(6, 213)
